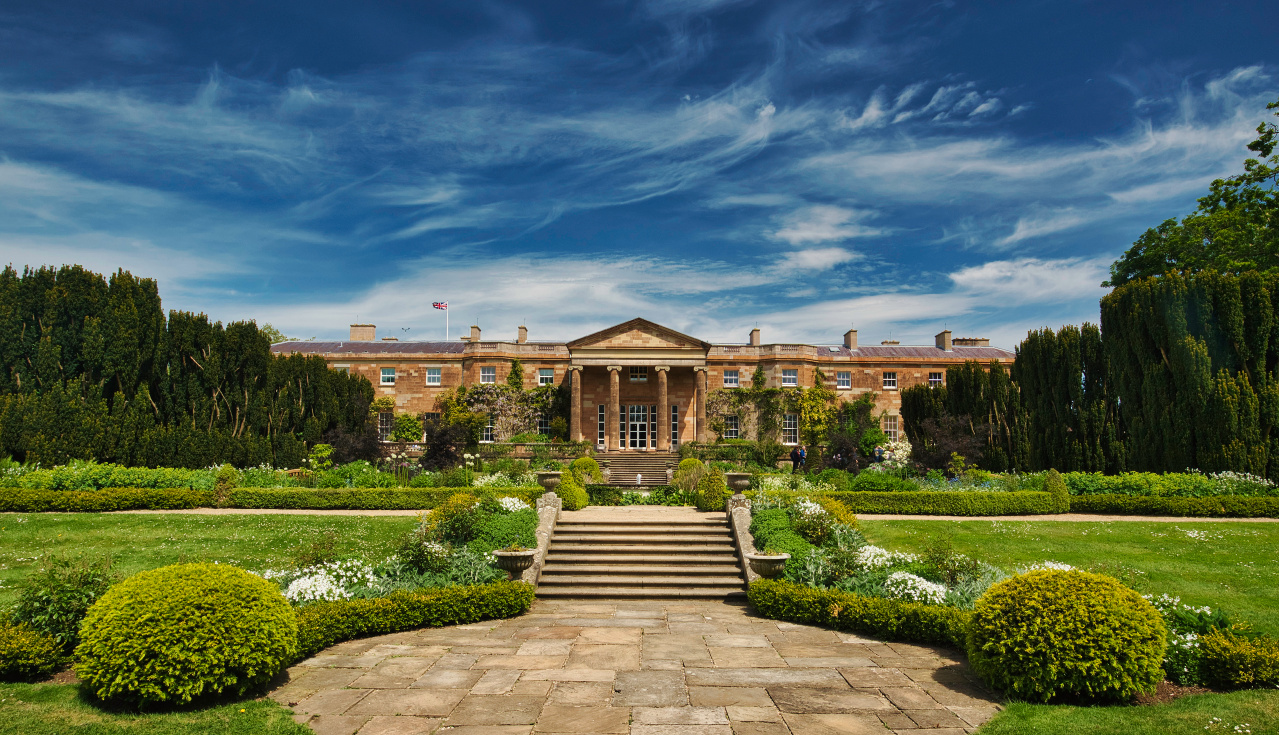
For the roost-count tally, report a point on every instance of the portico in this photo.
(639, 387)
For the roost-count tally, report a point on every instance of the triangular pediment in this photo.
(638, 334)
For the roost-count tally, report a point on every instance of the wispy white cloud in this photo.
(824, 223)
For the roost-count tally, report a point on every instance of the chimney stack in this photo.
(523, 335)
(850, 339)
(755, 336)
(363, 332)
(943, 340)
(475, 333)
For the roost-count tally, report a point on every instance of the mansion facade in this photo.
(639, 386)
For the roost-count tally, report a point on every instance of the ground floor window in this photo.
(385, 425)
(934, 380)
(543, 426)
(546, 376)
(488, 430)
(890, 427)
(429, 417)
(730, 427)
(674, 426)
(790, 428)
(602, 425)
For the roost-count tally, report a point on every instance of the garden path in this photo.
(636, 667)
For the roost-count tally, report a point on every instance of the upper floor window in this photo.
(639, 373)
(730, 378)
(731, 429)
(388, 376)
(546, 376)
(934, 380)
(890, 381)
(843, 379)
(790, 378)
(433, 376)
(488, 374)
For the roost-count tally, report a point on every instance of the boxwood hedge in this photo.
(893, 620)
(1022, 502)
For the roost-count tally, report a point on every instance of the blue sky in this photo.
(708, 164)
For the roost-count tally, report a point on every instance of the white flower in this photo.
(1051, 565)
(907, 586)
(873, 557)
(512, 505)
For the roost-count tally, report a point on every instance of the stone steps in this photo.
(642, 552)
(623, 468)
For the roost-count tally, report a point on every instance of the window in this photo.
(730, 378)
(790, 378)
(639, 373)
(934, 380)
(488, 430)
(546, 376)
(343, 369)
(543, 426)
(429, 417)
(890, 381)
(674, 426)
(730, 427)
(601, 421)
(432, 376)
(488, 375)
(388, 376)
(890, 427)
(385, 425)
(843, 379)
(790, 428)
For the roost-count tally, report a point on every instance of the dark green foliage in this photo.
(323, 624)
(1222, 506)
(444, 444)
(54, 599)
(604, 494)
(880, 481)
(773, 533)
(1049, 634)
(183, 632)
(1056, 489)
(960, 503)
(893, 620)
(26, 654)
(91, 368)
(500, 530)
(102, 501)
(712, 492)
(1072, 415)
(979, 401)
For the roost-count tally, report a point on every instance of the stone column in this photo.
(700, 374)
(575, 406)
(614, 415)
(663, 411)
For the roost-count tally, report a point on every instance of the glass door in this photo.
(638, 427)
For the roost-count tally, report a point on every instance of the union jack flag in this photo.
(440, 304)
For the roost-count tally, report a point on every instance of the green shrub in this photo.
(604, 495)
(1056, 489)
(1232, 661)
(958, 503)
(455, 477)
(688, 474)
(26, 654)
(1170, 485)
(362, 499)
(1049, 633)
(53, 599)
(712, 492)
(22, 500)
(874, 481)
(500, 530)
(185, 631)
(571, 492)
(324, 624)
(773, 532)
(586, 470)
(894, 620)
(226, 478)
(1221, 506)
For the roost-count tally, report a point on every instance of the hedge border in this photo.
(1217, 506)
(1021, 502)
(325, 624)
(19, 500)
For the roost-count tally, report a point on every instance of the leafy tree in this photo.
(980, 401)
(273, 335)
(1234, 229)
(515, 378)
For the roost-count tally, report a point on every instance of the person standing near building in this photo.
(803, 458)
(794, 460)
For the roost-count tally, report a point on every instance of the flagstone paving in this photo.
(636, 667)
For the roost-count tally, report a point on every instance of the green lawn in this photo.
(139, 542)
(1258, 709)
(1234, 566)
(53, 709)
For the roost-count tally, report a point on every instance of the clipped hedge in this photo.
(604, 494)
(1232, 661)
(26, 654)
(365, 499)
(327, 623)
(773, 532)
(894, 620)
(1169, 485)
(1022, 502)
(21, 500)
(1220, 506)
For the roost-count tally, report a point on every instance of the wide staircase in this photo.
(649, 468)
(641, 551)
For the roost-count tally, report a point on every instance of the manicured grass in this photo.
(1259, 709)
(140, 542)
(53, 709)
(1233, 566)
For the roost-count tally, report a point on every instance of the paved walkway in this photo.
(641, 667)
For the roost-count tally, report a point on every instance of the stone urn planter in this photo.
(738, 482)
(768, 566)
(549, 480)
(515, 562)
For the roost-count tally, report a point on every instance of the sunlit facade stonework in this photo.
(638, 385)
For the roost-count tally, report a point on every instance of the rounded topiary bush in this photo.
(186, 631)
(26, 654)
(1067, 634)
(712, 491)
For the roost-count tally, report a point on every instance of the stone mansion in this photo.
(638, 385)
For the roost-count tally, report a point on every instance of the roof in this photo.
(637, 323)
(929, 352)
(388, 347)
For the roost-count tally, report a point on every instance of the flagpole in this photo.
(446, 322)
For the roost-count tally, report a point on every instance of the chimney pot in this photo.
(523, 335)
(475, 333)
(850, 339)
(363, 332)
(390, 339)
(755, 336)
(943, 340)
